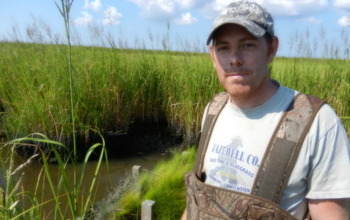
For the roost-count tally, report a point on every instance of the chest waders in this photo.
(214, 203)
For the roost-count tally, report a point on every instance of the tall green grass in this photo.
(115, 87)
(69, 196)
(112, 88)
(164, 185)
(327, 79)
(77, 200)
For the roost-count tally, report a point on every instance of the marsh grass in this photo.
(71, 198)
(115, 87)
(327, 79)
(78, 200)
(164, 185)
(112, 88)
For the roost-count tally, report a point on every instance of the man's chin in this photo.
(239, 92)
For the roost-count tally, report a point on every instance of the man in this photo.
(243, 45)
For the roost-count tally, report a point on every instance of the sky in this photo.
(301, 25)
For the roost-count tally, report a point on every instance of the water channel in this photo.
(107, 180)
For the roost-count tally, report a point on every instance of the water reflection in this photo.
(32, 181)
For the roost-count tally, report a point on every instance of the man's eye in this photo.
(248, 45)
(222, 48)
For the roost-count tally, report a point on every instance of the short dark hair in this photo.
(268, 37)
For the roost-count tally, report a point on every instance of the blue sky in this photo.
(184, 23)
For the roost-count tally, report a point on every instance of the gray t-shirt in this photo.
(240, 138)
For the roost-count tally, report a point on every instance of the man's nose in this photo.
(235, 58)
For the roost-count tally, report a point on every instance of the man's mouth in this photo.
(237, 73)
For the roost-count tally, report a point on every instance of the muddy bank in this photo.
(141, 138)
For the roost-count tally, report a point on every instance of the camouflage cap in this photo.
(250, 15)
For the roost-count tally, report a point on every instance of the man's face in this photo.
(241, 61)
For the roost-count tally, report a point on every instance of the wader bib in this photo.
(214, 203)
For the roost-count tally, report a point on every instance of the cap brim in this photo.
(250, 26)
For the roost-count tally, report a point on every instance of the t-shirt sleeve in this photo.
(329, 157)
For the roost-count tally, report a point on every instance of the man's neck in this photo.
(257, 98)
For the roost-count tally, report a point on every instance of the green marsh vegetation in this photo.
(114, 87)
(108, 89)
(71, 199)
(164, 185)
(71, 195)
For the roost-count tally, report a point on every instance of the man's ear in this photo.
(273, 49)
(212, 53)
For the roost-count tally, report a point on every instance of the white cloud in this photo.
(294, 7)
(85, 19)
(95, 5)
(191, 4)
(344, 21)
(311, 20)
(218, 5)
(186, 19)
(156, 9)
(211, 10)
(112, 16)
(275, 7)
(342, 4)
(170, 9)
(186, 3)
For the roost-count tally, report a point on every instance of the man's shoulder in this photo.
(302, 100)
(217, 103)
(221, 96)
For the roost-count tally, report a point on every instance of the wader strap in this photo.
(282, 150)
(284, 147)
(213, 112)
